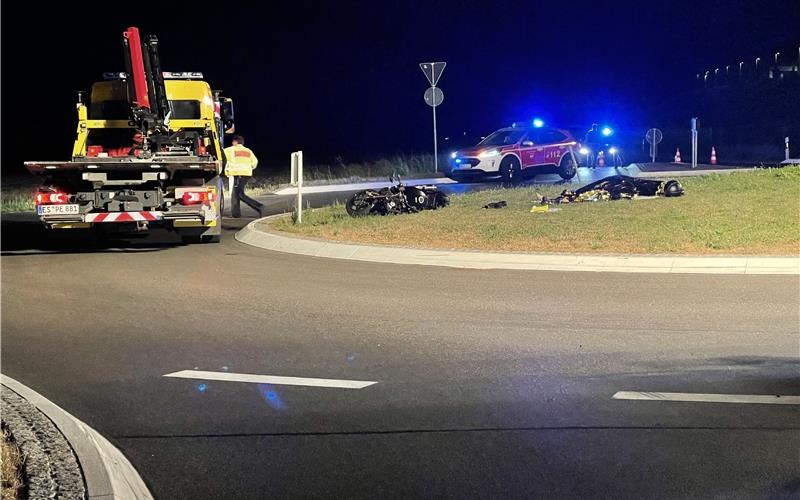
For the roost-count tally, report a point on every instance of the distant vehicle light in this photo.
(612, 151)
(538, 123)
(458, 160)
(584, 151)
(453, 154)
(607, 131)
(489, 154)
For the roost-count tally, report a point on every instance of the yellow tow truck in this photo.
(148, 153)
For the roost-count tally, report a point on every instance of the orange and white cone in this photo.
(678, 156)
(713, 156)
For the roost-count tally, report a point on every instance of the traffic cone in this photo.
(713, 156)
(601, 160)
(678, 156)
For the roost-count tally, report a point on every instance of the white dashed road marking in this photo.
(708, 398)
(271, 379)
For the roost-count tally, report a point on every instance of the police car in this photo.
(516, 153)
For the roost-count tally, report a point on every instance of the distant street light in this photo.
(727, 70)
(757, 59)
(776, 57)
(741, 63)
(705, 76)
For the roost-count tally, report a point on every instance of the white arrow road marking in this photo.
(271, 379)
(708, 398)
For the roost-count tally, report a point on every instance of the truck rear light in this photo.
(94, 150)
(51, 198)
(197, 197)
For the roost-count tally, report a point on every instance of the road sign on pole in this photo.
(434, 97)
(654, 137)
(433, 71)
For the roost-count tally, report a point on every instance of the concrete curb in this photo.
(108, 474)
(253, 236)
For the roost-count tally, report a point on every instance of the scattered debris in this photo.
(541, 209)
(496, 204)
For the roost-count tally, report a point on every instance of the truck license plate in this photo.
(58, 209)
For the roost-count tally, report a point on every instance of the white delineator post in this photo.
(694, 142)
(297, 180)
(786, 140)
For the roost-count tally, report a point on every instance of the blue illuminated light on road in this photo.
(271, 396)
(202, 387)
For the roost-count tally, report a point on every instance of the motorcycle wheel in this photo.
(440, 200)
(360, 204)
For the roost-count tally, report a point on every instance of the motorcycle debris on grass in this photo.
(396, 199)
(496, 204)
(617, 187)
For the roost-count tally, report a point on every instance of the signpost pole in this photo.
(435, 140)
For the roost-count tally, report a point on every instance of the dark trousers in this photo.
(239, 182)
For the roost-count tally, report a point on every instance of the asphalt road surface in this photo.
(489, 383)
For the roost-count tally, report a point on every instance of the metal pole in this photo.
(787, 148)
(435, 140)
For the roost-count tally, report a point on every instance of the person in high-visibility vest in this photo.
(241, 161)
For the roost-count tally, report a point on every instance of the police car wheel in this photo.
(510, 172)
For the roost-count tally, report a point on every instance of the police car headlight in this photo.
(584, 151)
(612, 151)
(453, 155)
(489, 154)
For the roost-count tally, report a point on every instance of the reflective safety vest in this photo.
(241, 161)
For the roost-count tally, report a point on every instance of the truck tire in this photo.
(510, 171)
(567, 168)
(221, 194)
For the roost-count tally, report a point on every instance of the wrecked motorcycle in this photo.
(618, 187)
(396, 199)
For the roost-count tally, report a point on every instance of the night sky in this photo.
(342, 78)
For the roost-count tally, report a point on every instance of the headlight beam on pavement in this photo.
(271, 379)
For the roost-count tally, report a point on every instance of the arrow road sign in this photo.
(433, 71)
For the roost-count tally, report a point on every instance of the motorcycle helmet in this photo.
(673, 188)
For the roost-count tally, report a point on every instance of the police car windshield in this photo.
(502, 138)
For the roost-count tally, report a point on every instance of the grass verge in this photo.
(749, 213)
(11, 465)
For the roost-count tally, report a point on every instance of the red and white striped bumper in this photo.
(124, 216)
